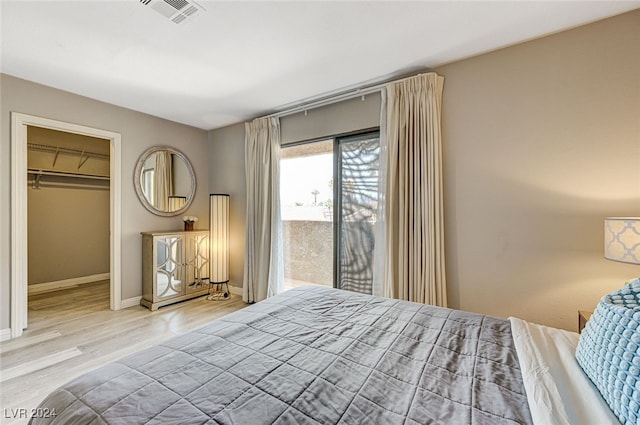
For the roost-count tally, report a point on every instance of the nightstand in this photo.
(583, 316)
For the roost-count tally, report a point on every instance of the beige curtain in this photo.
(163, 180)
(414, 268)
(263, 265)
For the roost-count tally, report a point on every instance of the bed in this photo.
(316, 355)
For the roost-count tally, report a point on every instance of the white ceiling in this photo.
(244, 59)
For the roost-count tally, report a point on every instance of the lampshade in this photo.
(219, 237)
(176, 202)
(622, 239)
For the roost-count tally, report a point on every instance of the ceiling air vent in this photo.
(176, 10)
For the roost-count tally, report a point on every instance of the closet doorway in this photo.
(49, 158)
(67, 219)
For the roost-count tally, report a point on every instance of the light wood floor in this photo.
(73, 331)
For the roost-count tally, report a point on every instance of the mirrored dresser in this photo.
(175, 267)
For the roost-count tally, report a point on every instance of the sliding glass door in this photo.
(328, 192)
(357, 175)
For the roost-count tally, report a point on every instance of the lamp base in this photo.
(220, 291)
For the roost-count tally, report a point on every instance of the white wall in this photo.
(139, 132)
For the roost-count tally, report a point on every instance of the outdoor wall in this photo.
(308, 251)
(139, 132)
(541, 141)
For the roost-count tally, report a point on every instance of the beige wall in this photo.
(340, 118)
(139, 132)
(68, 230)
(226, 175)
(542, 140)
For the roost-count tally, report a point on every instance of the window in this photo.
(306, 199)
(358, 164)
(147, 184)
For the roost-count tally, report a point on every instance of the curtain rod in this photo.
(329, 100)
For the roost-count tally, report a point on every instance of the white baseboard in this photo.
(130, 302)
(5, 334)
(235, 290)
(61, 284)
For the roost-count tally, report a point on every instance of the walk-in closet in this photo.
(68, 215)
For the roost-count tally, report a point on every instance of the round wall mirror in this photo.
(164, 181)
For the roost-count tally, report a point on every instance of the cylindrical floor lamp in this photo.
(219, 246)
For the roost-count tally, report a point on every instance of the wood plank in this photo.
(27, 341)
(38, 364)
(80, 319)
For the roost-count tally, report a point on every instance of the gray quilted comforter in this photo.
(312, 356)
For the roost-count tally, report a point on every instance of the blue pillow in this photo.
(609, 351)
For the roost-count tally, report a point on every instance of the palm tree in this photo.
(315, 194)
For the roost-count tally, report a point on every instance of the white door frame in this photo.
(19, 253)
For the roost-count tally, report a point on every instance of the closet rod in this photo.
(63, 174)
(67, 151)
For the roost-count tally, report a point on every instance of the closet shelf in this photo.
(83, 154)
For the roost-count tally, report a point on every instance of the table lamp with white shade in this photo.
(622, 239)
